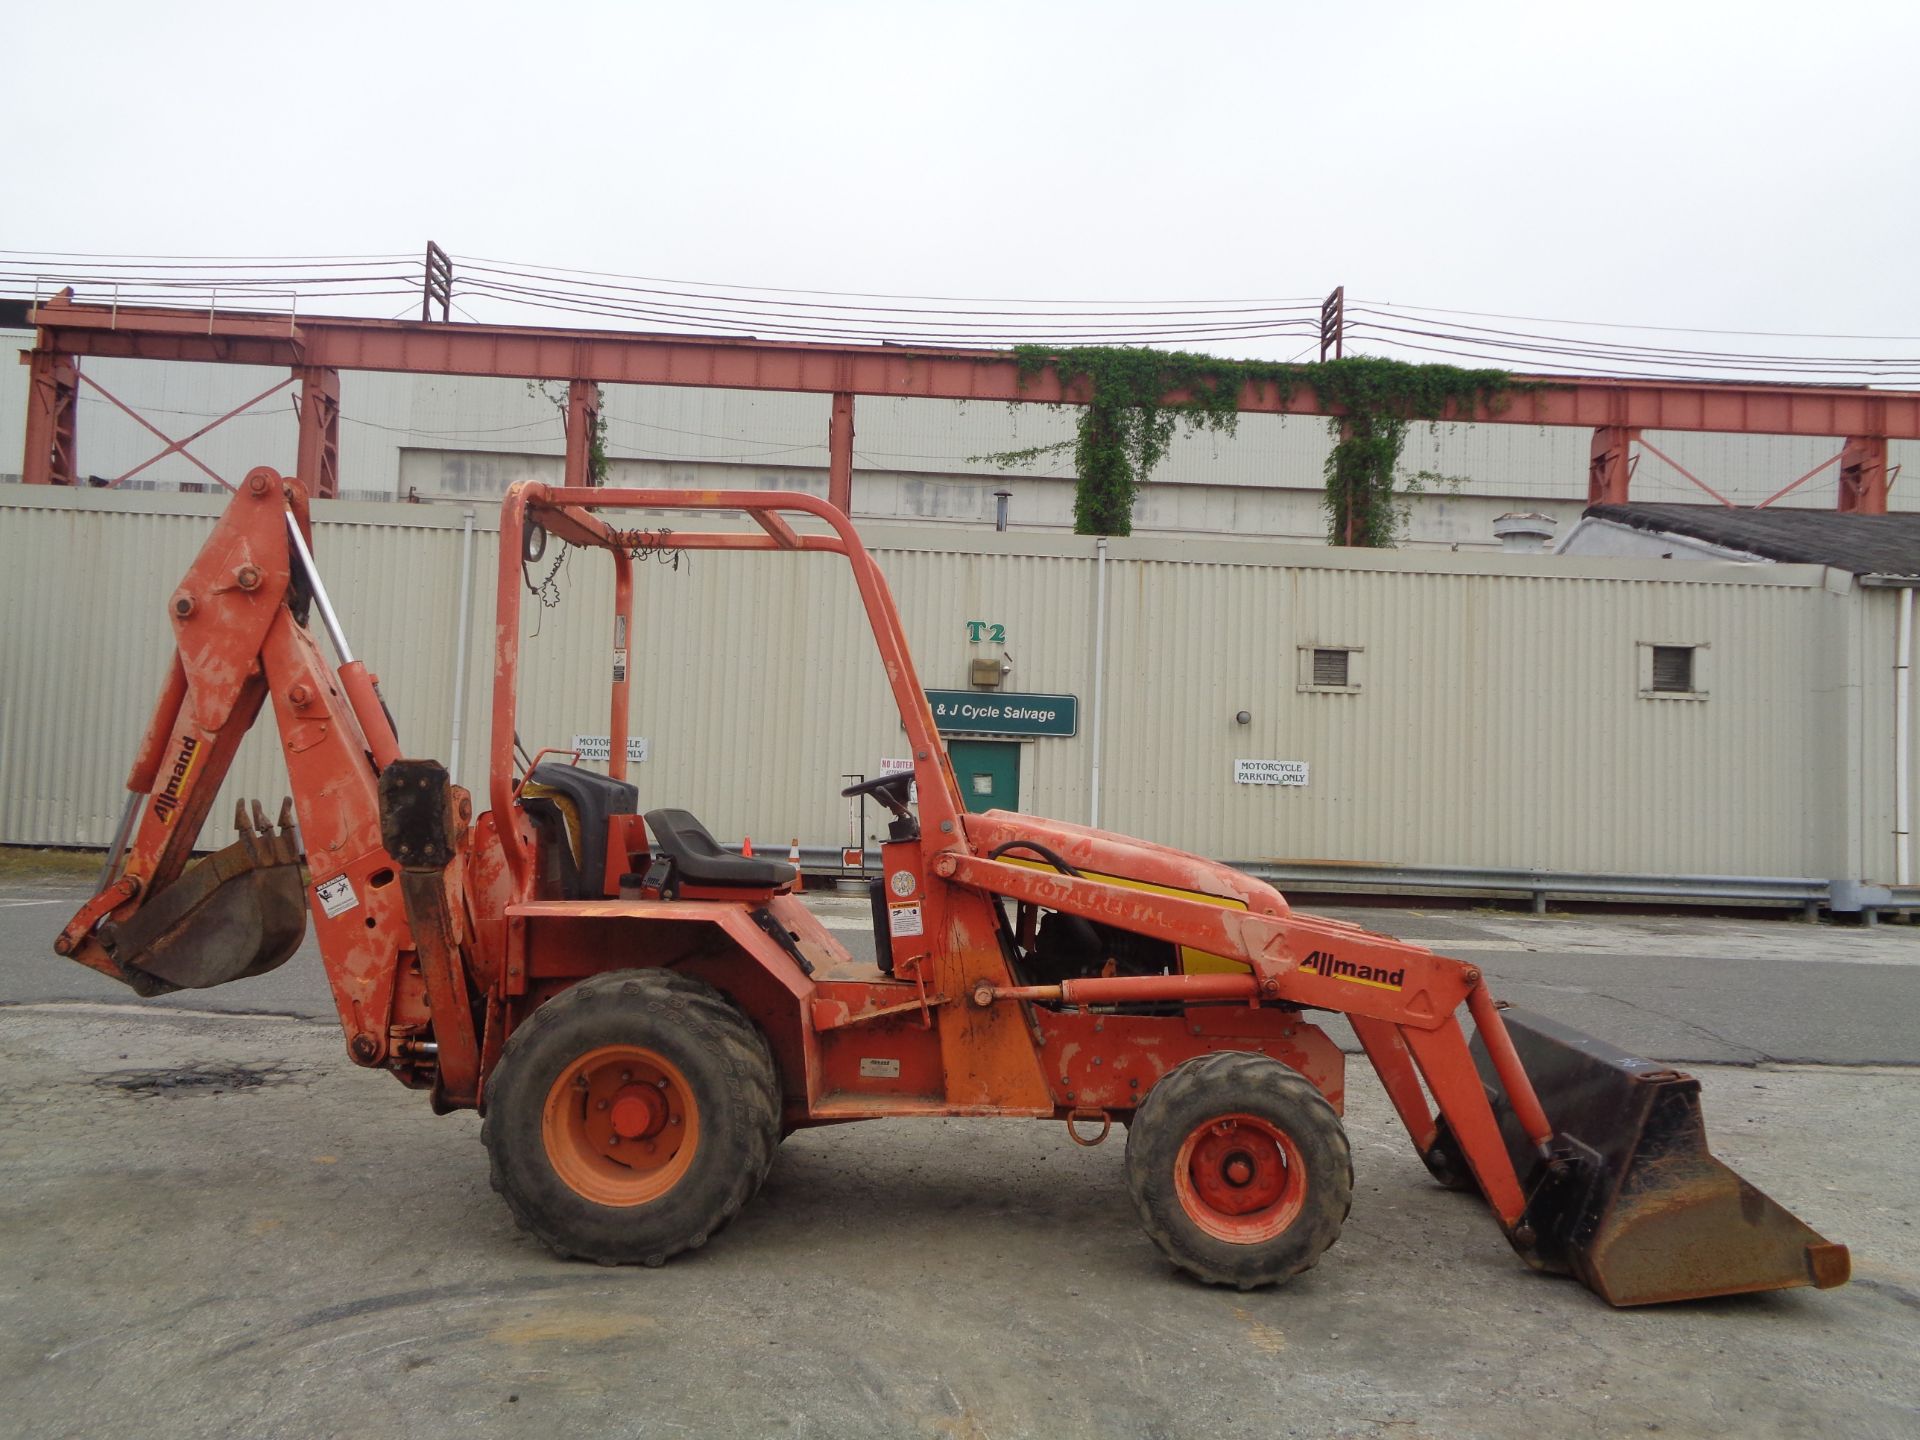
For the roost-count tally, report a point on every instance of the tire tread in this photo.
(1219, 1080)
(690, 1005)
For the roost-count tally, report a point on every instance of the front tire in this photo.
(631, 1117)
(1240, 1169)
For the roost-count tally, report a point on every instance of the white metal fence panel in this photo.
(1494, 715)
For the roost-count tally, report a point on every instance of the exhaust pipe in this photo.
(1628, 1199)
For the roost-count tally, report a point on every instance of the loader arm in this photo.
(1608, 1179)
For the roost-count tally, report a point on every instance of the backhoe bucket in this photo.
(1632, 1203)
(240, 911)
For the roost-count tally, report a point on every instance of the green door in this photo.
(988, 771)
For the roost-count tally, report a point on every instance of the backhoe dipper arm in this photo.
(239, 642)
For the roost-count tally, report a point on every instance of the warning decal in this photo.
(903, 920)
(336, 896)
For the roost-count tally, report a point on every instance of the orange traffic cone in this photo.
(746, 847)
(793, 853)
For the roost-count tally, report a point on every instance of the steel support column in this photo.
(319, 462)
(840, 453)
(583, 422)
(1610, 471)
(53, 392)
(1863, 475)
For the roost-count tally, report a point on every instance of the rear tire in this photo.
(631, 1116)
(1240, 1169)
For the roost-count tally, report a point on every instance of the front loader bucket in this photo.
(240, 911)
(1633, 1204)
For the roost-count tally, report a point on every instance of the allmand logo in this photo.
(168, 799)
(1328, 965)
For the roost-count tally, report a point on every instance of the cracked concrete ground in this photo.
(213, 1224)
(316, 1254)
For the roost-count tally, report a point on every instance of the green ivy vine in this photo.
(599, 463)
(1138, 398)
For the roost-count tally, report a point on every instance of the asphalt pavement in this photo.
(1687, 988)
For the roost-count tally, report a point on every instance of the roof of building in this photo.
(1863, 544)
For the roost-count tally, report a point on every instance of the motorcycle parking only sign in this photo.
(1270, 772)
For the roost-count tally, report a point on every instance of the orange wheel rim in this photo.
(620, 1125)
(1240, 1179)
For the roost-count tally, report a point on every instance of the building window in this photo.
(1673, 668)
(1330, 669)
(1671, 672)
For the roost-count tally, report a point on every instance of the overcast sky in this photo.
(1743, 165)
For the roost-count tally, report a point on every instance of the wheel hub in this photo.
(1237, 1169)
(637, 1111)
(620, 1125)
(1240, 1178)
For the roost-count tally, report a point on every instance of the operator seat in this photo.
(696, 858)
(572, 806)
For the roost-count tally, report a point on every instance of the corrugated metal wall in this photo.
(1498, 721)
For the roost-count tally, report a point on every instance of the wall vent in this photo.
(1330, 669)
(1672, 669)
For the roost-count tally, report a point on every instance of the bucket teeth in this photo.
(286, 849)
(256, 851)
(257, 837)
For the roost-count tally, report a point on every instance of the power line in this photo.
(734, 311)
(244, 262)
(866, 294)
(1626, 325)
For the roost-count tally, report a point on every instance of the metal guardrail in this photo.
(1539, 886)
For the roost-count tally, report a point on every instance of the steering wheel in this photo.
(890, 789)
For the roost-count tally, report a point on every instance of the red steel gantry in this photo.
(316, 348)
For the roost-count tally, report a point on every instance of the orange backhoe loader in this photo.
(641, 1015)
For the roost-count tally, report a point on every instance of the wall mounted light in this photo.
(986, 674)
(1243, 717)
(1000, 501)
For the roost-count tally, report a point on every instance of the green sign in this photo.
(975, 712)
